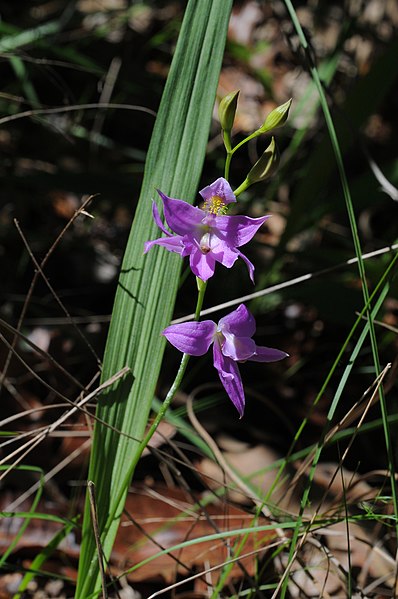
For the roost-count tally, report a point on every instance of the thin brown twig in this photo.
(106, 93)
(58, 109)
(359, 408)
(213, 569)
(72, 403)
(303, 539)
(49, 62)
(41, 352)
(15, 394)
(75, 406)
(154, 540)
(34, 280)
(285, 284)
(39, 271)
(47, 477)
(49, 429)
(238, 481)
(35, 375)
(124, 370)
(227, 468)
(385, 325)
(61, 321)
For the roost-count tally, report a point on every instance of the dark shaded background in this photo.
(69, 54)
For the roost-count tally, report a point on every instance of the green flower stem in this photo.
(227, 141)
(177, 381)
(201, 294)
(228, 146)
(163, 409)
(227, 164)
(244, 141)
(231, 151)
(242, 187)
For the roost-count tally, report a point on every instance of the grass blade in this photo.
(362, 101)
(354, 232)
(42, 557)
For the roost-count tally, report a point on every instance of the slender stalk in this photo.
(228, 146)
(242, 187)
(244, 141)
(231, 151)
(226, 135)
(177, 381)
(227, 164)
(163, 409)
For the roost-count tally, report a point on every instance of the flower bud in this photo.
(227, 110)
(266, 165)
(276, 117)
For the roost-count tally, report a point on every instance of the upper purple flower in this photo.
(232, 343)
(207, 236)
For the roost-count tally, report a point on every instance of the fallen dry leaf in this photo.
(168, 517)
(154, 519)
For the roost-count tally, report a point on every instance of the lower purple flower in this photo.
(232, 342)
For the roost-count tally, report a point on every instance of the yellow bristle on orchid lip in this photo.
(215, 205)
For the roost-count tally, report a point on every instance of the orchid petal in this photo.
(181, 217)
(237, 230)
(220, 188)
(268, 354)
(224, 254)
(173, 244)
(158, 220)
(193, 338)
(230, 378)
(237, 348)
(240, 322)
(250, 265)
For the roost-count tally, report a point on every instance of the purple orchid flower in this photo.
(207, 236)
(232, 343)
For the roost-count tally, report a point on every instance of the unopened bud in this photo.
(266, 165)
(227, 110)
(276, 117)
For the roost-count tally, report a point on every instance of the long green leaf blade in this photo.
(148, 284)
